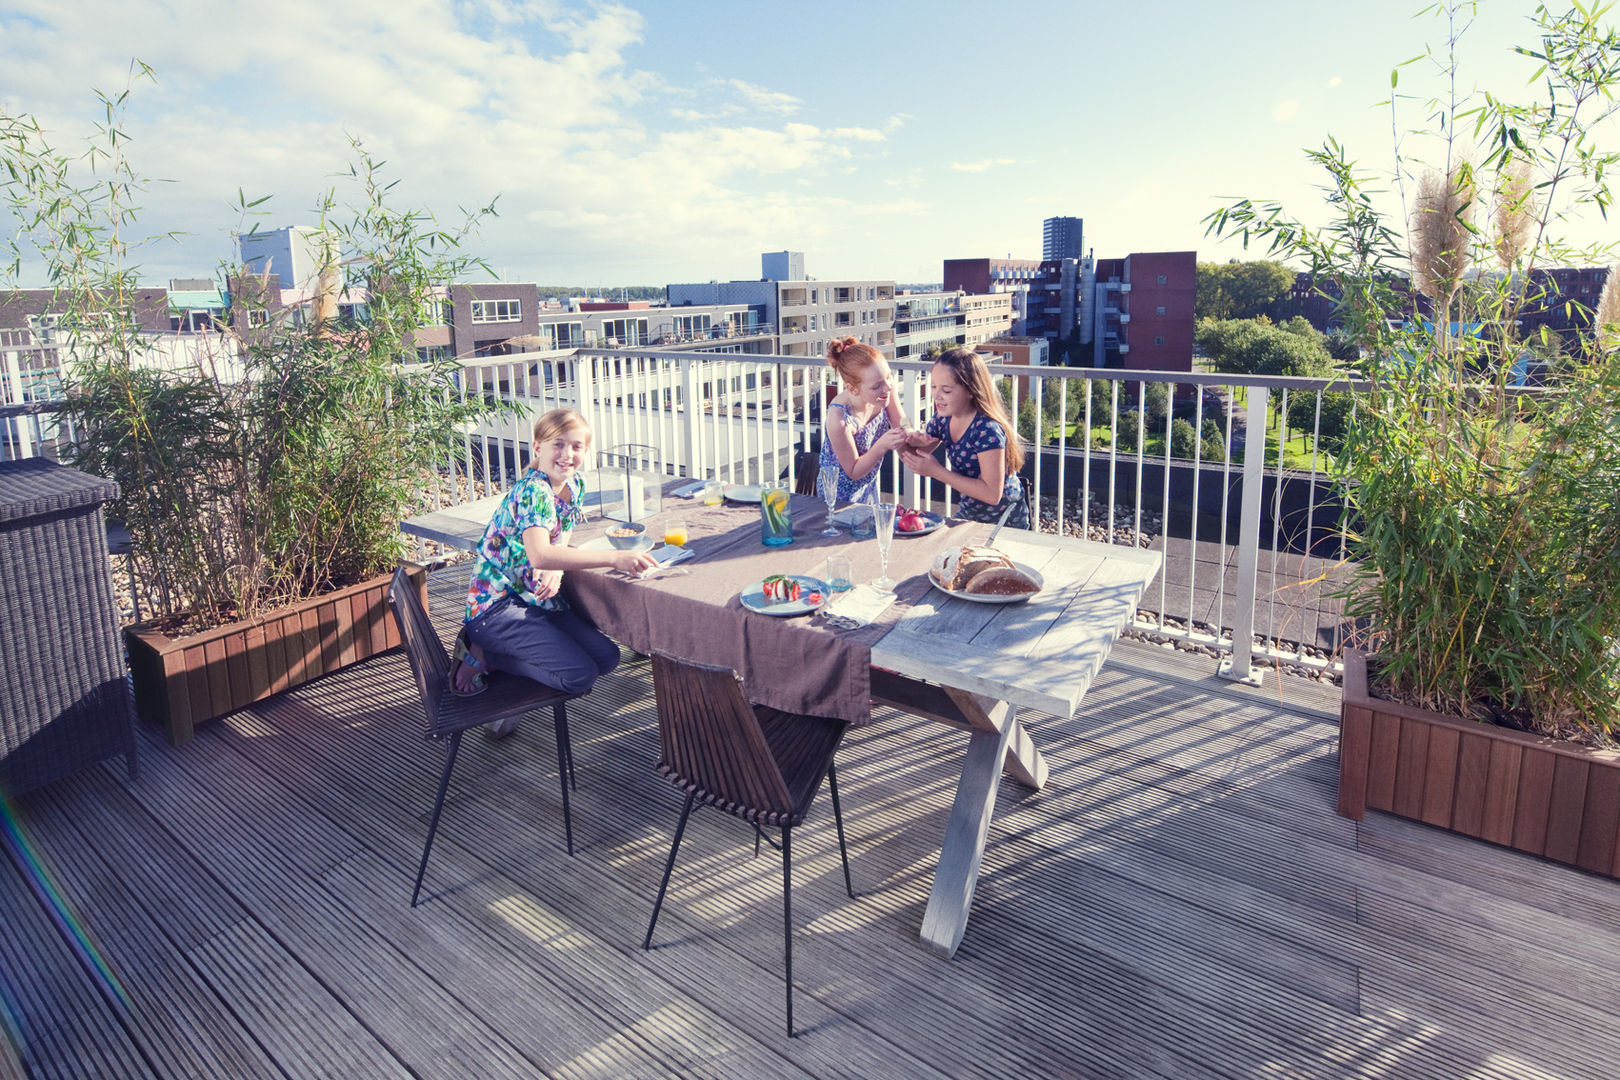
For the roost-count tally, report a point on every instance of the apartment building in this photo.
(923, 320)
(1143, 311)
(808, 314)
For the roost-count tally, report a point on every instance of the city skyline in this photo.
(649, 142)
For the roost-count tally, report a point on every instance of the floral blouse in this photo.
(983, 434)
(503, 566)
(864, 489)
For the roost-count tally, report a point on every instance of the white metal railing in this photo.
(1248, 543)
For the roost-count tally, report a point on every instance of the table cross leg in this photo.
(962, 851)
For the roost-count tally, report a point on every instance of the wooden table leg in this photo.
(962, 851)
(960, 709)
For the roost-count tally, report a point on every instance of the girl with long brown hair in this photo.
(979, 440)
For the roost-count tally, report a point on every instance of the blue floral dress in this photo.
(503, 566)
(864, 489)
(983, 434)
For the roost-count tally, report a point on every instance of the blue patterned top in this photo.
(503, 566)
(864, 489)
(982, 435)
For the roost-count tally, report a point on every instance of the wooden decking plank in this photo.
(191, 1032)
(466, 825)
(299, 1022)
(764, 901)
(54, 1019)
(464, 971)
(379, 985)
(765, 897)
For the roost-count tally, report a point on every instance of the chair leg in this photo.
(438, 803)
(787, 919)
(568, 740)
(680, 830)
(560, 716)
(838, 819)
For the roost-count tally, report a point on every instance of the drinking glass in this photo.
(883, 521)
(829, 491)
(840, 573)
(775, 515)
(675, 532)
(860, 523)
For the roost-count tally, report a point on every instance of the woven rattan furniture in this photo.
(447, 716)
(751, 761)
(64, 690)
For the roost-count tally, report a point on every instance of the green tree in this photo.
(1240, 290)
(1249, 347)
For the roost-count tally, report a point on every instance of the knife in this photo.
(1004, 515)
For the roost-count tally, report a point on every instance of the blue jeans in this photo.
(557, 648)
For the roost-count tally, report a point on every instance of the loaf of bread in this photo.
(955, 568)
(1002, 581)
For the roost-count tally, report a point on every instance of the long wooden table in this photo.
(972, 666)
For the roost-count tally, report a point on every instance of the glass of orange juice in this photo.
(675, 532)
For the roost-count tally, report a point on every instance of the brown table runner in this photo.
(692, 610)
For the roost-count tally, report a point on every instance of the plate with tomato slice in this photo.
(916, 522)
(785, 594)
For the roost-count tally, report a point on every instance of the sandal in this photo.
(463, 655)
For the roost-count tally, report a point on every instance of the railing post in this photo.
(1240, 667)
(692, 408)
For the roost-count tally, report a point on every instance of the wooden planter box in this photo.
(1548, 797)
(182, 682)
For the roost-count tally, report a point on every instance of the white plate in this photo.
(643, 542)
(934, 521)
(861, 512)
(748, 493)
(753, 597)
(986, 598)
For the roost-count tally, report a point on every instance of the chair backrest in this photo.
(711, 737)
(429, 663)
(806, 472)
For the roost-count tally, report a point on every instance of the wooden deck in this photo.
(1181, 902)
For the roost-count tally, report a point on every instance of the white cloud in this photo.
(1285, 110)
(763, 99)
(982, 165)
(538, 101)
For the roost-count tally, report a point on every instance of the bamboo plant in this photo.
(1485, 516)
(275, 461)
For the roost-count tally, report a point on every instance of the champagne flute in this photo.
(883, 520)
(829, 491)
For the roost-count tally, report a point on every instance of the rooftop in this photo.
(1181, 901)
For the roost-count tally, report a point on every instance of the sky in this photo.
(658, 141)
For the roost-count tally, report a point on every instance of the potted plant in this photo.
(264, 466)
(1486, 536)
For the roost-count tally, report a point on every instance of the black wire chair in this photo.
(751, 761)
(447, 715)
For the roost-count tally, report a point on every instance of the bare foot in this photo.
(467, 674)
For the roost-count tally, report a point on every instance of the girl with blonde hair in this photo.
(516, 621)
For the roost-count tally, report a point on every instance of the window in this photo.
(257, 317)
(813, 299)
(488, 311)
(1164, 279)
(1159, 310)
(435, 312)
(1159, 340)
(570, 335)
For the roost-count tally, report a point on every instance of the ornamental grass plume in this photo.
(1442, 227)
(1606, 319)
(1514, 211)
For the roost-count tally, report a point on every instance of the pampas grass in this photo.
(1514, 212)
(1442, 228)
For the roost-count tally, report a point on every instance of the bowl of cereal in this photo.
(627, 535)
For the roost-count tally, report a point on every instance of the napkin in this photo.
(686, 491)
(668, 555)
(857, 607)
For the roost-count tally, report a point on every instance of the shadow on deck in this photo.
(1180, 902)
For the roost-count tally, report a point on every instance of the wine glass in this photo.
(883, 521)
(829, 491)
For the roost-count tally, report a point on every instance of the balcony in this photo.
(1188, 900)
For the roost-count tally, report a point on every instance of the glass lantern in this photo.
(629, 482)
